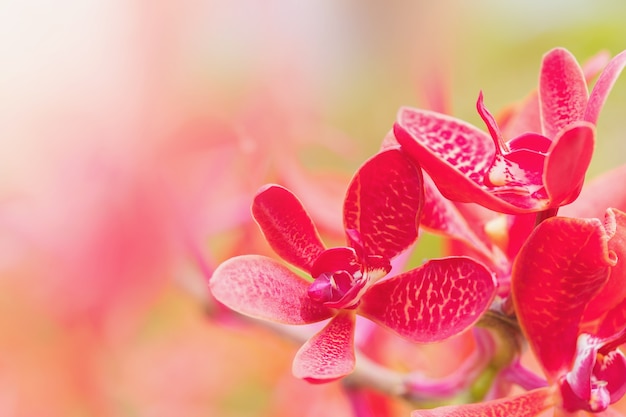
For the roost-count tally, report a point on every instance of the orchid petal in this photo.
(287, 226)
(260, 287)
(567, 162)
(336, 259)
(384, 202)
(530, 141)
(603, 87)
(458, 157)
(614, 291)
(612, 371)
(560, 268)
(562, 91)
(526, 115)
(456, 154)
(528, 404)
(328, 355)
(433, 302)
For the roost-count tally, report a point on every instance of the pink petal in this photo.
(384, 203)
(262, 288)
(614, 291)
(528, 404)
(603, 87)
(449, 149)
(526, 115)
(328, 355)
(457, 156)
(433, 302)
(562, 91)
(560, 268)
(567, 162)
(287, 226)
(531, 141)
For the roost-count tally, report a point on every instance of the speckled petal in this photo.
(328, 355)
(287, 226)
(262, 288)
(441, 298)
(562, 91)
(458, 157)
(384, 203)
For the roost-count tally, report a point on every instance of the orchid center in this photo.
(517, 167)
(341, 277)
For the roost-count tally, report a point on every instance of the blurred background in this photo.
(133, 135)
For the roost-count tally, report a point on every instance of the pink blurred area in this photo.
(133, 135)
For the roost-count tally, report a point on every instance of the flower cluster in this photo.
(559, 281)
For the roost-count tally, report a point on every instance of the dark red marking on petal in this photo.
(261, 287)
(328, 355)
(433, 302)
(384, 203)
(562, 91)
(287, 226)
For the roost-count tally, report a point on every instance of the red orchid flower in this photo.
(532, 172)
(568, 261)
(381, 215)
(563, 266)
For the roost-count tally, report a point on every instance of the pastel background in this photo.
(133, 135)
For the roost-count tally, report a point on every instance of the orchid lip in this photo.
(598, 376)
(343, 274)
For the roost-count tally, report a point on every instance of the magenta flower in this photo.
(381, 216)
(568, 261)
(560, 270)
(532, 172)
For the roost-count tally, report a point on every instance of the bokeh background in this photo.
(133, 135)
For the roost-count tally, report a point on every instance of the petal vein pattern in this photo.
(287, 226)
(562, 265)
(433, 302)
(263, 288)
(462, 146)
(329, 354)
(384, 203)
